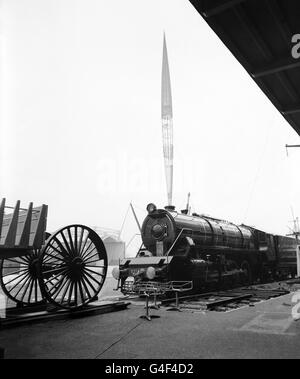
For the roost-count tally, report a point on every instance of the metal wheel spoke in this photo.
(27, 279)
(88, 254)
(100, 255)
(85, 287)
(52, 262)
(87, 265)
(67, 246)
(81, 292)
(71, 242)
(62, 268)
(76, 293)
(97, 260)
(25, 259)
(86, 250)
(19, 276)
(58, 285)
(30, 290)
(75, 239)
(25, 290)
(88, 282)
(36, 290)
(80, 240)
(49, 257)
(82, 250)
(14, 260)
(15, 272)
(53, 277)
(65, 291)
(94, 272)
(6, 267)
(90, 276)
(70, 292)
(65, 281)
(62, 249)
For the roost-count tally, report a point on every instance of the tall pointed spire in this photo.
(167, 121)
(166, 96)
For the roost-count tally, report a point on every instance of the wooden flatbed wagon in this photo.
(66, 268)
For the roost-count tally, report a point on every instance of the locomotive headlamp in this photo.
(150, 273)
(151, 208)
(158, 231)
(116, 273)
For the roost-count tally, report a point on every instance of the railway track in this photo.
(18, 318)
(224, 301)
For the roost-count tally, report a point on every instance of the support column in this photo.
(2, 315)
(298, 261)
(2, 305)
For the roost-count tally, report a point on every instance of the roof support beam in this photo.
(265, 51)
(280, 65)
(262, 47)
(213, 11)
(279, 20)
(291, 110)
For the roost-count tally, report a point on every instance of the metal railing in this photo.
(155, 288)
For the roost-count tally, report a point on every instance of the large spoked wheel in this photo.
(19, 279)
(73, 266)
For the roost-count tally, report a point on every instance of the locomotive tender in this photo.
(206, 251)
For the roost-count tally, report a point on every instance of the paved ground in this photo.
(264, 331)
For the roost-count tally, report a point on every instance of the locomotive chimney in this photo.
(170, 208)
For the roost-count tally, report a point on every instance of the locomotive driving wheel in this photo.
(19, 279)
(72, 266)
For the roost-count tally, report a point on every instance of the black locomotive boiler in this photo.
(207, 251)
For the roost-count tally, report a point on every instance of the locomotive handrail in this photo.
(156, 288)
(132, 238)
(171, 248)
(143, 288)
(179, 285)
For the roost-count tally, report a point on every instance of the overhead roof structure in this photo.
(259, 34)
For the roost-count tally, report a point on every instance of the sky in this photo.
(80, 117)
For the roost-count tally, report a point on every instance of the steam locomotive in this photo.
(207, 251)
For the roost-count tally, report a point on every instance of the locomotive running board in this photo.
(89, 310)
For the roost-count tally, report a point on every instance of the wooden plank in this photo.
(61, 314)
(13, 252)
(39, 236)
(10, 239)
(25, 235)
